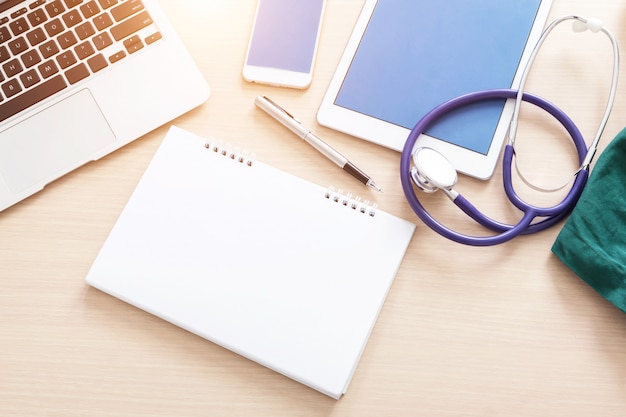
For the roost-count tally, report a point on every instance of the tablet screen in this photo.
(415, 55)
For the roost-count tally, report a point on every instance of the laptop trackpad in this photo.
(45, 146)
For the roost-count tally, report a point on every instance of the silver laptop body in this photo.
(81, 78)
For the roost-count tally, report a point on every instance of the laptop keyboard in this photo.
(46, 46)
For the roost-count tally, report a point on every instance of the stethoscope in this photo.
(430, 171)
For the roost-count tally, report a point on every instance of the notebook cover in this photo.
(277, 269)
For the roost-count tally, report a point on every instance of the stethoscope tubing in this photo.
(506, 231)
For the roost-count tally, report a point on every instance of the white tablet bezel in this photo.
(392, 136)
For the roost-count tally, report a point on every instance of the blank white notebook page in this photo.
(254, 259)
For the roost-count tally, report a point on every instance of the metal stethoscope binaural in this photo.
(429, 170)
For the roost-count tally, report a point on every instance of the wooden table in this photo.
(501, 331)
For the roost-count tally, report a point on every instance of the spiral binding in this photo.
(233, 152)
(355, 203)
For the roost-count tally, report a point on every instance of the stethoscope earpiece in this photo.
(582, 25)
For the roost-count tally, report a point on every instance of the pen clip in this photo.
(273, 103)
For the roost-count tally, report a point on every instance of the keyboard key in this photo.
(84, 50)
(133, 44)
(102, 21)
(49, 48)
(102, 40)
(66, 59)
(37, 17)
(11, 88)
(117, 56)
(77, 73)
(153, 38)
(97, 62)
(48, 69)
(19, 26)
(12, 67)
(30, 78)
(84, 30)
(126, 9)
(72, 18)
(36, 36)
(54, 27)
(31, 58)
(130, 26)
(67, 39)
(36, 4)
(19, 45)
(55, 8)
(31, 97)
(19, 12)
(90, 9)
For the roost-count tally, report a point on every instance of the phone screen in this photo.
(285, 34)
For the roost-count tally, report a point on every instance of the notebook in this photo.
(81, 78)
(284, 272)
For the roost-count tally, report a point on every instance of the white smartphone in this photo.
(283, 43)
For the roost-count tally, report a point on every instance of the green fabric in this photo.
(592, 242)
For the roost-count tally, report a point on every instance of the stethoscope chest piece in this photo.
(432, 171)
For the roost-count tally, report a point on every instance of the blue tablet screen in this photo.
(415, 55)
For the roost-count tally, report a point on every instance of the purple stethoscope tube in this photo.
(549, 215)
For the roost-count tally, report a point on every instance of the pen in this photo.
(293, 124)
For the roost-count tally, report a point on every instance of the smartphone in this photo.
(283, 43)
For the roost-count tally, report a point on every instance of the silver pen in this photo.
(293, 124)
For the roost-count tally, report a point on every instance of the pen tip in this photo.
(373, 185)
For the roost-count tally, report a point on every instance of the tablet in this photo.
(406, 57)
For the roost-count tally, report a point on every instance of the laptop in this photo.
(80, 79)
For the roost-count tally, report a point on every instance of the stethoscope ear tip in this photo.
(592, 24)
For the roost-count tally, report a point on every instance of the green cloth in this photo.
(592, 242)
